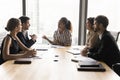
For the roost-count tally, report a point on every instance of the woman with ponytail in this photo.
(62, 36)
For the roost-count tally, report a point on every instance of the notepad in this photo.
(90, 66)
(57, 46)
(43, 49)
(23, 61)
(74, 52)
(81, 58)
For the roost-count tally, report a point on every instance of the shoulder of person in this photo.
(19, 33)
(8, 37)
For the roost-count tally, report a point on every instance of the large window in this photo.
(45, 15)
(9, 9)
(109, 8)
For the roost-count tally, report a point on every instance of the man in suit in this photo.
(23, 35)
(106, 49)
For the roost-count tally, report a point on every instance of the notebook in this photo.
(90, 66)
(74, 52)
(57, 46)
(43, 49)
(81, 58)
(23, 61)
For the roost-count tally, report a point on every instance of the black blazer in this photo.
(26, 41)
(106, 50)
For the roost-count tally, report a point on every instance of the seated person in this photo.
(62, 36)
(92, 36)
(23, 35)
(107, 49)
(11, 43)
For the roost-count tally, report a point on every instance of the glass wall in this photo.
(9, 9)
(45, 15)
(109, 8)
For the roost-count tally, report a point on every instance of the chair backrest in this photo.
(115, 34)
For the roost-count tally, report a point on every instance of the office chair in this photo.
(115, 34)
(116, 67)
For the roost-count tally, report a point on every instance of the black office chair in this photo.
(115, 34)
(116, 67)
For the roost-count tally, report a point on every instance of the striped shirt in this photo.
(64, 39)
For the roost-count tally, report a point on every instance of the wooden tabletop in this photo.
(52, 64)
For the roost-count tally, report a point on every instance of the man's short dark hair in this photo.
(24, 19)
(103, 20)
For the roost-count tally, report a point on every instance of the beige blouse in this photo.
(92, 38)
(64, 39)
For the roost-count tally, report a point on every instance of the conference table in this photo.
(52, 63)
